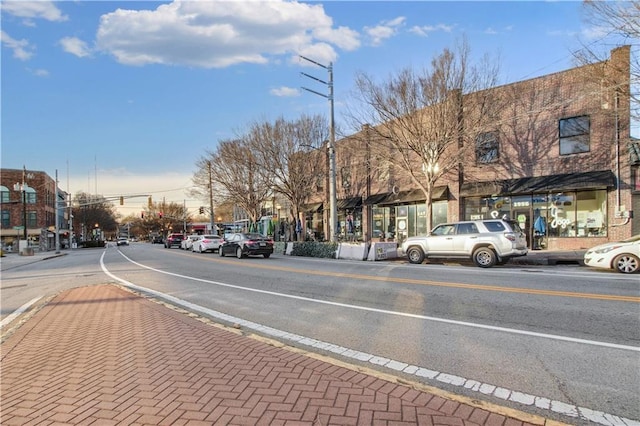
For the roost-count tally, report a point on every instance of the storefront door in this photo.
(521, 213)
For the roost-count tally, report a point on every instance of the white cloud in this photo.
(425, 30)
(40, 73)
(29, 10)
(21, 48)
(75, 46)
(285, 92)
(217, 34)
(384, 30)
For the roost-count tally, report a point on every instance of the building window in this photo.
(487, 148)
(4, 194)
(635, 178)
(6, 219)
(32, 219)
(320, 178)
(345, 172)
(574, 135)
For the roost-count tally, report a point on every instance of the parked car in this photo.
(173, 240)
(207, 243)
(187, 243)
(485, 242)
(157, 240)
(122, 241)
(622, 256)
(246, 244)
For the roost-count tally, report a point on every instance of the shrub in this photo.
(314, 249)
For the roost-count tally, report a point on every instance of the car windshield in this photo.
(253, 236)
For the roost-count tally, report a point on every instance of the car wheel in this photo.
(239, 253)
(415, 255)
(626, 263)
(484, 257)
(266, 255)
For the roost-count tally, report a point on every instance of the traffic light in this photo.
(121, 200)
(160, 215)
(201, 210)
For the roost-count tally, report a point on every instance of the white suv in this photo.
(486, 242)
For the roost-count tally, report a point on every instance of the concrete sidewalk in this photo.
(103, 355)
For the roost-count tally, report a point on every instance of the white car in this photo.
(622, 256)
(187, 243)
(207, 243)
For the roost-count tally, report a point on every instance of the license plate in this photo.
(263, 244)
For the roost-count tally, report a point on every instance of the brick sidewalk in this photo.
(102, 355)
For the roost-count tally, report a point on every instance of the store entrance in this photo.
(521, 213)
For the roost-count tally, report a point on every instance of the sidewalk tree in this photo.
(417, 125)
(293, 153)
(617, 23)
(238, 176)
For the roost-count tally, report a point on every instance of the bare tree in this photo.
(93, 212)
(615, 22)
(240, 178)
(418, 120)
(291, 152)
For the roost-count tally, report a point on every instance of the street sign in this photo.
(18, 228)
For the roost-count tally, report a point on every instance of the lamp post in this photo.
(333, 209)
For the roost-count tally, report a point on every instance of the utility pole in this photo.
(211, 213)
(57, 219)
(333, 209)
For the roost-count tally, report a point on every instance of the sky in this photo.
(122, 98)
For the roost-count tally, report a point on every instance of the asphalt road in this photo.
(557, 334)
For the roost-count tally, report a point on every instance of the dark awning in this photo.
(551, 183)
(377, 198)
(312, 208)
(349, 203)
(414, 195)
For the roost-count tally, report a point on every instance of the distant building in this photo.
(28, 198)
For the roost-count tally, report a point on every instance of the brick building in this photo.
(559, 159)
(30, 196)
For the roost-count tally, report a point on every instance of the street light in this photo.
(333, 209)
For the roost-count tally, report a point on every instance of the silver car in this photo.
(209, 242)
(187, 243)
(485, 242)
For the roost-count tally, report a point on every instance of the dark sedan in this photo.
(243, 245)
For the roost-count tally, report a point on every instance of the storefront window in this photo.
(411, 225)
(591, 210)
(438, 214)
(379, 223)
(562, 215)
(421, 220)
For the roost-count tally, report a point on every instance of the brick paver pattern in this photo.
(102, 355)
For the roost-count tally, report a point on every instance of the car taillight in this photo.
(205, 241)
(509, 236)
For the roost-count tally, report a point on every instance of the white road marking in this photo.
(18, 311)
(559, 407)
(395, 313)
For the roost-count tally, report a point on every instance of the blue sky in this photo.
(124, 97)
